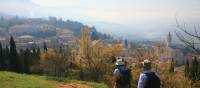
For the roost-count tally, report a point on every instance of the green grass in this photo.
(15, 80)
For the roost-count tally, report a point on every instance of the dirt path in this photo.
(73, 85)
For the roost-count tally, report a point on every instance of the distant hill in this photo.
(39, 27)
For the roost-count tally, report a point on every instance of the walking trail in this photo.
(73, 85)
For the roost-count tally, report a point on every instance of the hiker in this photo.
(122, 75)
(148, 79)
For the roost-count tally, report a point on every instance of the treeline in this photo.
(12, 60)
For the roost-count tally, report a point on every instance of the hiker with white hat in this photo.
(148, 79)
(122, 75)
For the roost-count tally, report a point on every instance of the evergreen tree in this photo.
(187, 68)
(14, 60)
(7, 58)
(45, 46)
(2, 62)
(21, 58)
(126, 43)
(27, 61)
(172, 66)
(38, 55)
(94, 36)
(34, 56)
(194, 69)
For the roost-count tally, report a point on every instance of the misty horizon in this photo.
(130, 19)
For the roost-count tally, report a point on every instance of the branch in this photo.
(196, 35)
(191, 44)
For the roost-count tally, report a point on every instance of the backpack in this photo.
(153, 81)
(125, 76)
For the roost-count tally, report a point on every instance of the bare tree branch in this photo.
(192, 40)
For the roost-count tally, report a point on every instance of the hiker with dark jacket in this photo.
(148, 79)
(122, 75)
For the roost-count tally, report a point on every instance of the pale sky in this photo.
(149, 17)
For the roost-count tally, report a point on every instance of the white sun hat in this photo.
(119, 62)
(147, 64)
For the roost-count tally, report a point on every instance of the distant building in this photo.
(24, 39)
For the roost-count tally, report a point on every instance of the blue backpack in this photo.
(125, 76)
(153, 81)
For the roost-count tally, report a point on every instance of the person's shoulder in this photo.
(143, 76)
(116, 70)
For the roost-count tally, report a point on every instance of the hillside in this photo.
(40, 27)
(14, 80)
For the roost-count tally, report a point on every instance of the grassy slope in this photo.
(14, 80)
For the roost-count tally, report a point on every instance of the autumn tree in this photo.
(53, 63)
(95, 58)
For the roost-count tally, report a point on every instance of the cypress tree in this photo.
(45, 46)
(187, 68)
(34, 56)
(38, 55)
(2, 62)
(27, 61)
(21, 57)
(194, 69)
(7, 58)
(14, 61)
(172, 66)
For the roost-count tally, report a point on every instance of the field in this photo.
(15, 80)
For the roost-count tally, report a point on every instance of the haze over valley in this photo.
(130, 19)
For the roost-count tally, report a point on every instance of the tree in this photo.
(187, 68)
(53, 63)
(27, 61)
(2, 62)
(189, 38)
(172, 66)
(38, 55)
(14, 60)
(126, 43)
(45, 47)
(195, 69)
(94, 35)
(7, 58)
(95, 59)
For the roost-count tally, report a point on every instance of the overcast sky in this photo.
(150, 17)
